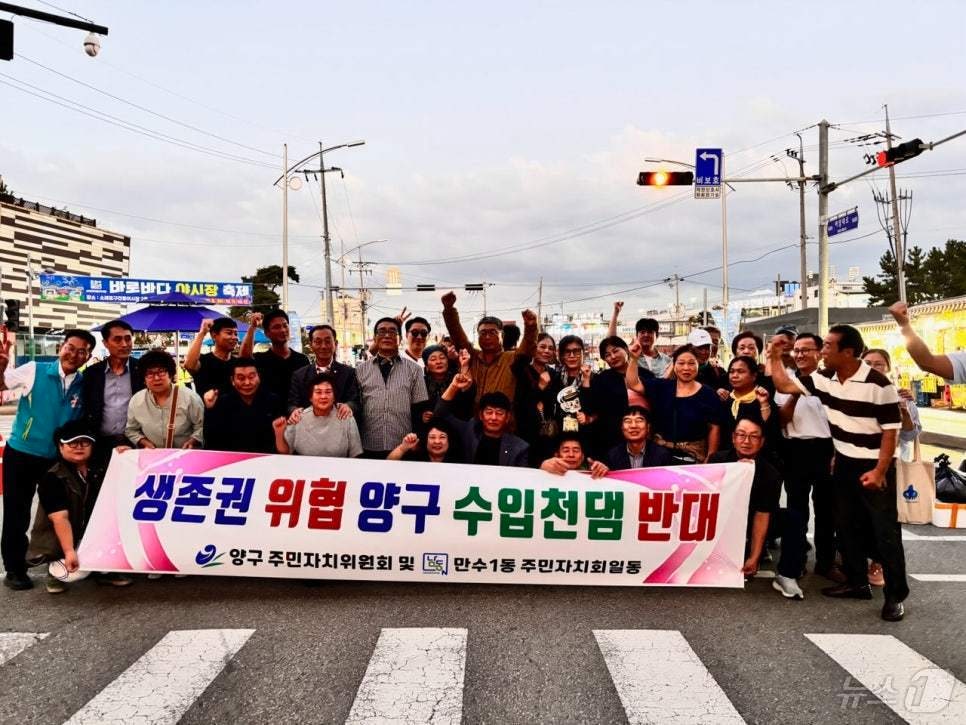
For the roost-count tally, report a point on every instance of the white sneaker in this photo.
(154, 576)
(788, 587)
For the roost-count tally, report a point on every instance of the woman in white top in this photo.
(319, 431)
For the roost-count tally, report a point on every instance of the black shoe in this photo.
(847, 591)
(833, 573)
(893, 611)
(18, 581)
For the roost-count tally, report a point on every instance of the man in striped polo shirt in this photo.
(863, 414)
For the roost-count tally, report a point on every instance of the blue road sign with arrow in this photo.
(707, 173)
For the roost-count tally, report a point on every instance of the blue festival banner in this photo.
(73, 288)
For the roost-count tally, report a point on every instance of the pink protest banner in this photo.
(240, 514)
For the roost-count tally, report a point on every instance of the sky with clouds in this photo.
(503, 140)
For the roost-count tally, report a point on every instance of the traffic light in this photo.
(902, 152)
(13, 315)
(6, 40)
(665, 178)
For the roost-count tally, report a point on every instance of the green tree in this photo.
(264, 283)
(945, 270)
(883, 289)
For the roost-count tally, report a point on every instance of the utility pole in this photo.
(900, 248)
(724, 238)
(823, 255)
(705, 307)
(803, 257)
(326, 243)
(540, 306)
(30, 304)
(285, 227)
(674, 281)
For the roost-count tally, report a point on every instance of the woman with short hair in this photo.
(164, 415)
(320, 431)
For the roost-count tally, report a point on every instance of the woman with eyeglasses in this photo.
(67, 493)
(164, 415)
(535, 407)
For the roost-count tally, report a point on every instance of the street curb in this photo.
(942, 440)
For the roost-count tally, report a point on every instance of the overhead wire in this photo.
(108, 118)
(139, 107)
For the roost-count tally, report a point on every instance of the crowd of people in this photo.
(817, 416)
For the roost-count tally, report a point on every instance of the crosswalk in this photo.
(416, 675)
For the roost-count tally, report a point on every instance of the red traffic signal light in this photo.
(902, 152)
(665, 178)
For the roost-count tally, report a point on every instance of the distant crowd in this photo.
(820, 417)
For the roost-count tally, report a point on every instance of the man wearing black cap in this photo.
(67, 493)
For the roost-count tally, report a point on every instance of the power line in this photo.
(148, 110)
(127, 125)
(101, 61)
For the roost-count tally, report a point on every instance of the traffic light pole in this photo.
(826, 187)
(823, 261)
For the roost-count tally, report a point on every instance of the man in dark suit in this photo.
(323, 341)
(108, 386)
(635, 451)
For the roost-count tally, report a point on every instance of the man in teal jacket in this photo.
(50, 395)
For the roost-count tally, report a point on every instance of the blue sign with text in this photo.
(843, 222)
(707, 167)
(73, 288)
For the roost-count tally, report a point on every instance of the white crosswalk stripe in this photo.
(918, 691)
(680, 690)
(13, 643)
(414, 676)
(160, 687)
(939, 577)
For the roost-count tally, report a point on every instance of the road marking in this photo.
(415, 675)
(661, 680)
(911, 686)
(13, 643)
(160, 687)
(910, 536)
(939, 577)
(764, 574)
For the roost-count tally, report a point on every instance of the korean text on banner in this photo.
(240, 514)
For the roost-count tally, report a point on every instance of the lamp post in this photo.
(298, 167)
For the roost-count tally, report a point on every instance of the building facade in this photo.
(53, 240)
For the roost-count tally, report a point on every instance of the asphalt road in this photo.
(531, 653)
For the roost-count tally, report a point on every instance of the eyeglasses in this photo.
(83, 443)
(419, 333)
(747, 436)
(80, 351)
(155, 373)
(573, 351)
(387, 332)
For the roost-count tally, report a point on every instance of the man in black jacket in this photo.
(241, 419)
(322, 339)
(635, 451)
(107, 389)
